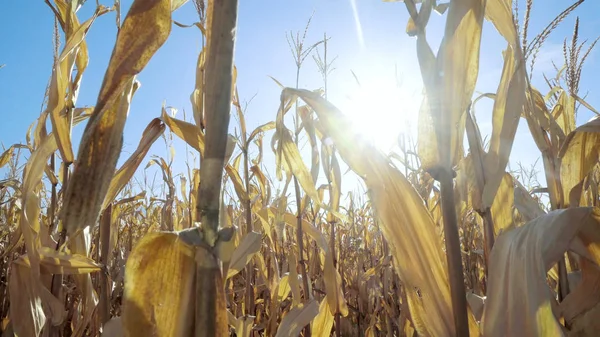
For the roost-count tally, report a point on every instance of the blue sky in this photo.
(26, 48)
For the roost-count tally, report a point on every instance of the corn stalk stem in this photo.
(218, 105)
(219, 79)
(104, 301)
(248, 207)
(453, 255)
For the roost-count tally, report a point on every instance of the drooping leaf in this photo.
(580, 152)
(322, 324)
(297, 318)
(124, 174)
(144, 31)
(244, 252)
(517, 269)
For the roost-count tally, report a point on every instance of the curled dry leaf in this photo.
(519, 301)
(578, 155)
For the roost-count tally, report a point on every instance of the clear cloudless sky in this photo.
(367, 36)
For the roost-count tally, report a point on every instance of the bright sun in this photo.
(381, 110)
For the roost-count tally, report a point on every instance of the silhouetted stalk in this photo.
(453, 254)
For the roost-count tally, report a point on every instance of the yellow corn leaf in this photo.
(293, 278)
(519, 301)
(500, 13)
(26, 311)
(565, 112)
(502, 207)
(97, 159)
(333, 286)
(6, 156)
(238, 184)
(124, 174)
(442, 114)
(75, 50)
(297, 318)
(244, 252)
(243, 326)
(297, 166)
(197, 96)
(159, 287)
(407, 225)
(188, 132)
(578, 155)
(508, 106)
(177, 3)
(54, 262)
(263, 128)
(322, 324)
(283, 288)
(144, 30)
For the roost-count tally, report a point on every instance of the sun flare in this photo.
(380, 111)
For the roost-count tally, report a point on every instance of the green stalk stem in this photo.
(453, 255)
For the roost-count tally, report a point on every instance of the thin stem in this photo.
(249, 267)
(453, 255)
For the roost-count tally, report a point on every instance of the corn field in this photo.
(446, 241)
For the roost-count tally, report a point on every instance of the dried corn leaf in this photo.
(144, 30)
(6, 156)
(124, 174)
(508, 106)
(453, 85)
(244, 252)
(407, 225)
(322, 324)
(500, 13)
(159, 287)
(579, 154)
(243, 326)
(502, 207)
(297, 318)
(519, 301)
